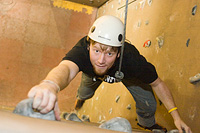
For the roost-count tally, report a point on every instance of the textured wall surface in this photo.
(176, 60)
(34, 37)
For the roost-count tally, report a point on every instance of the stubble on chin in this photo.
(99, 73)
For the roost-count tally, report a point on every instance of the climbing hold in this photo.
(142, 4)
(158, 131)
(188, 41)
(85, 118)
(110, 111)
(139, 23)
(117, 99)
(195, 78)
(129, 107)
(100, 118)
(64, 115)
(194, 9)
(149, 2)
(160, 41)
(173, 131)
(102, 121)
(25, 108)
(72, 117)
(117, 124)
(147, 43)
(146, 22)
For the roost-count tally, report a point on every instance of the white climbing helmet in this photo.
(107, 30)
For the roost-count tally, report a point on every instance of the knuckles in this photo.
(45, 95)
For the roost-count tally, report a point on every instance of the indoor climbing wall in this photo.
(167, 33)
(34, 37)
(109, 101)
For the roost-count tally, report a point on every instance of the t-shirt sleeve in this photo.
(136, 66)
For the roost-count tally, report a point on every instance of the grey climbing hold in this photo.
(117, 124)
(158, 131)
(194, 9)
(160, 41)
(101, 121)
(25, 108)
(85, 118)
(64, 115)
(149, 2)
(139, 23)
(146, 22)
(173, 131)
(117, 99)
(110, 111)
(187, 43)
(129, 107)
(72, 117)
(195, 78)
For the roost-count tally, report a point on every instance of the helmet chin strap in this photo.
(119, 75)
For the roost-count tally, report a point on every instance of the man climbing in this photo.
(97, 57)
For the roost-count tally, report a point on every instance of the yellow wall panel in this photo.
(72, 6)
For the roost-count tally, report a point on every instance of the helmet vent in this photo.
(93, 29)
(120, 37)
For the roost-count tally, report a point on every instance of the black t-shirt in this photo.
(134, 66)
